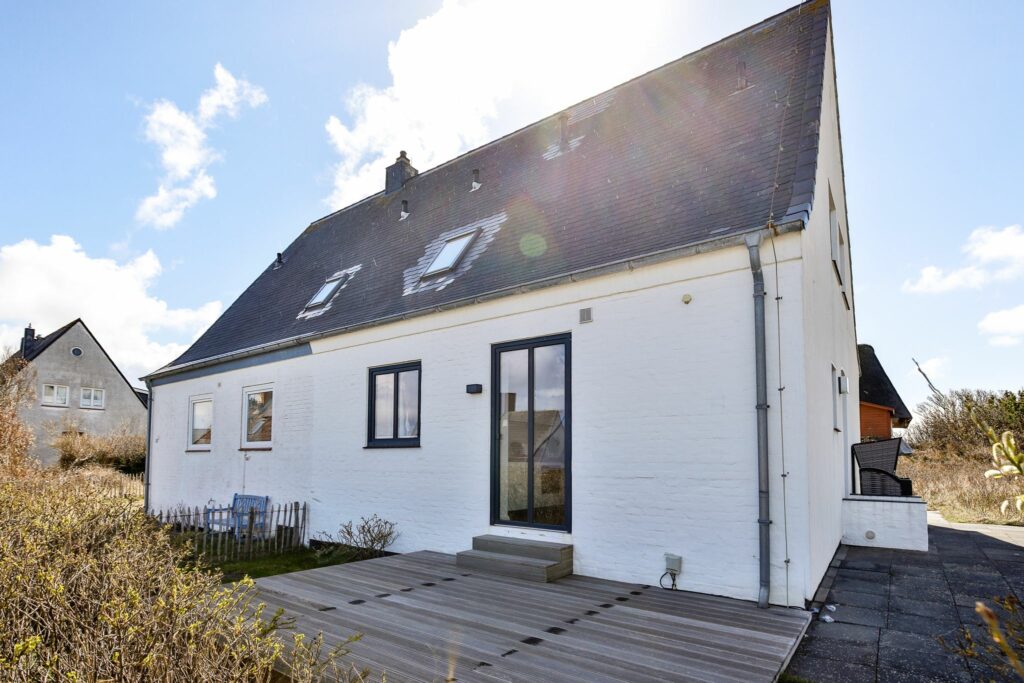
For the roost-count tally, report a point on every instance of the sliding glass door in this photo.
(530, 429)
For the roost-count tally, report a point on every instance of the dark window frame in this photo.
(530, 344)
(371, 393)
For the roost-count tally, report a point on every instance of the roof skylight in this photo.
(324, 294)
(450, 255)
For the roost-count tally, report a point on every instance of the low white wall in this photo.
(886, 522)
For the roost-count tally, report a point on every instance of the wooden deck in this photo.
(422, 619)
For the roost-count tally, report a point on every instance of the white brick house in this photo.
(604, 262)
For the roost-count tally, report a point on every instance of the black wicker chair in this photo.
(874, 469)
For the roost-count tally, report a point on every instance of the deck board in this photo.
(424, 619)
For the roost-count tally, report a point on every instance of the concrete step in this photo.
(541, 550)
(517, 566)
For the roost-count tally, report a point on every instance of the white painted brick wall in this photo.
(664, 439)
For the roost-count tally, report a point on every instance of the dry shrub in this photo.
(945, 422)
(123, 449)
(92, 589)
(956, 486)
(366, 540)
(17, 389)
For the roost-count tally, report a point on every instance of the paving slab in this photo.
(900, 614)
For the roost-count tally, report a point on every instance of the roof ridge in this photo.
(797, 9)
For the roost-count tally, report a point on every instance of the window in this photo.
(91, 398)
(324, 294)
(838, 244)
(450, 255)
(200, 423)
(258, 419)
(76, 351)
(394, 406)
(531, 442)
(55, 395)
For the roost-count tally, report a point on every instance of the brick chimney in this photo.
(398, 173)
(28, 341)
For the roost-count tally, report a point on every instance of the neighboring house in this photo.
(78, 387)
(881, 408)
(628, 326)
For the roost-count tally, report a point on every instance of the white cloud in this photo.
(184, 152)
(58, 282)
(1005, 327)
(475, 70)
(994, 255)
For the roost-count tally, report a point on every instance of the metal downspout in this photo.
(763, 512)
(149, 446)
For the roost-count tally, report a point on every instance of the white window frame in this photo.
(255, 445)
(91, 403)
(54, 401)
(192, 401)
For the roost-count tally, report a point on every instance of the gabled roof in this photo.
(877, 388)
(43, 343)
(687, 154)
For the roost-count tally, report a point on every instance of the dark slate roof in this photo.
(876, 387)
(673, 158)
(42, 343)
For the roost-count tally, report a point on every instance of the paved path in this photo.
(892, 606)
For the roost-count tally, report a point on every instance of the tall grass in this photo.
(91, 589)
(956, 486)
(124, 448)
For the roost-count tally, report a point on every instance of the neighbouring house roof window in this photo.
(55, 395)
(76, 351)
(450, 255)
(200, 423)
(394, 406)
(92, 398)
(259, 417)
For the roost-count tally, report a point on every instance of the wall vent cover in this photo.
(586, 315)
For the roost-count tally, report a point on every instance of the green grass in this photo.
(294, 561)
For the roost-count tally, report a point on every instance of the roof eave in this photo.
(794, 221)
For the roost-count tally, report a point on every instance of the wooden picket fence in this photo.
(217, 534)
(128, 486)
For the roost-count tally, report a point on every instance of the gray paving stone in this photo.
(923, 598)
(863, 574)
(866, 565)
(821, 670)
(922, 656)
(858, 599)
(913, 642)
(841, 650)
(926, 626)
(859, 615)
(924, 608)
(874, 587)
(841, 631)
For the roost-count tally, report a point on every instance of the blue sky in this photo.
(102, 106)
